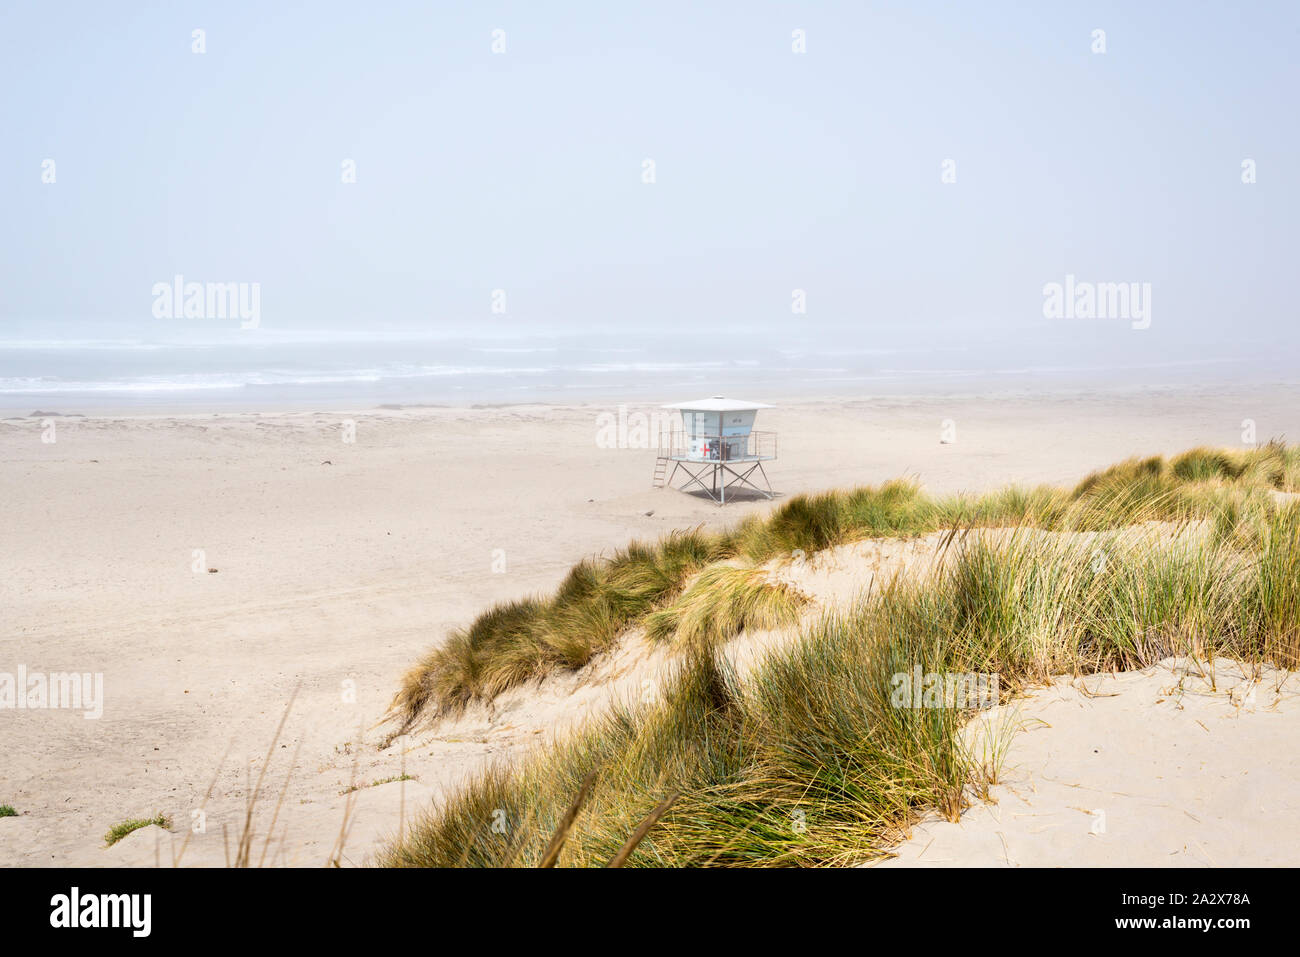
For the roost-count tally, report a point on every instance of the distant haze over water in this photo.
(71, 366)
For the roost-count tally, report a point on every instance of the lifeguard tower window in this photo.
(717, 448)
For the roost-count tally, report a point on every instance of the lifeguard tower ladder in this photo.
(716, 448)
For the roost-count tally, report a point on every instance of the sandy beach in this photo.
(209, 566)
(1184, 764)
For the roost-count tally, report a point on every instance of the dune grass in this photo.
(119, 831)
(721, 603)
(601, 598)
(808, 760)
(7, 810)
(525, 639)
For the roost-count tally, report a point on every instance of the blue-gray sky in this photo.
(774, 170)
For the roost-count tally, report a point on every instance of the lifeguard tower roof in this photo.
(717, 403)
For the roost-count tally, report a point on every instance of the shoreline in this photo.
(641, 399)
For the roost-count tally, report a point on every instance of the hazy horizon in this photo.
(899, 183)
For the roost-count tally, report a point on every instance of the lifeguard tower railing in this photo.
(681, 446)
(715, 463)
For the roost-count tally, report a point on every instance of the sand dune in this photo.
(1182, 765)
(333, 578)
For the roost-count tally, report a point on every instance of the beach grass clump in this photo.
(7, 810)
(811, 523)
(379, 782)
(1207, 465)
(811, 759)
(1276, 589)
(119, 831)
(755, 783)
(506, 817)
(600, 599)
(723, 601)
(1273, 465)
(1040, 507)
(518, 641)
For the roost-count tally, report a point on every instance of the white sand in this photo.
(1180, 765)
(350, 571)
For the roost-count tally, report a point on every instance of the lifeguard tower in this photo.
(717, 447)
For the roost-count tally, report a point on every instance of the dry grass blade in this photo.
(207, 796)
(245, 849)
(566, 825)
(279, 803)
(349, 808)
(624, 852)
(401, 798)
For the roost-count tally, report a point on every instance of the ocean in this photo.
(85, 366)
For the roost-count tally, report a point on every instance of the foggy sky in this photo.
(774, 170)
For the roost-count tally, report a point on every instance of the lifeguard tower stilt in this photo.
(717, 448)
